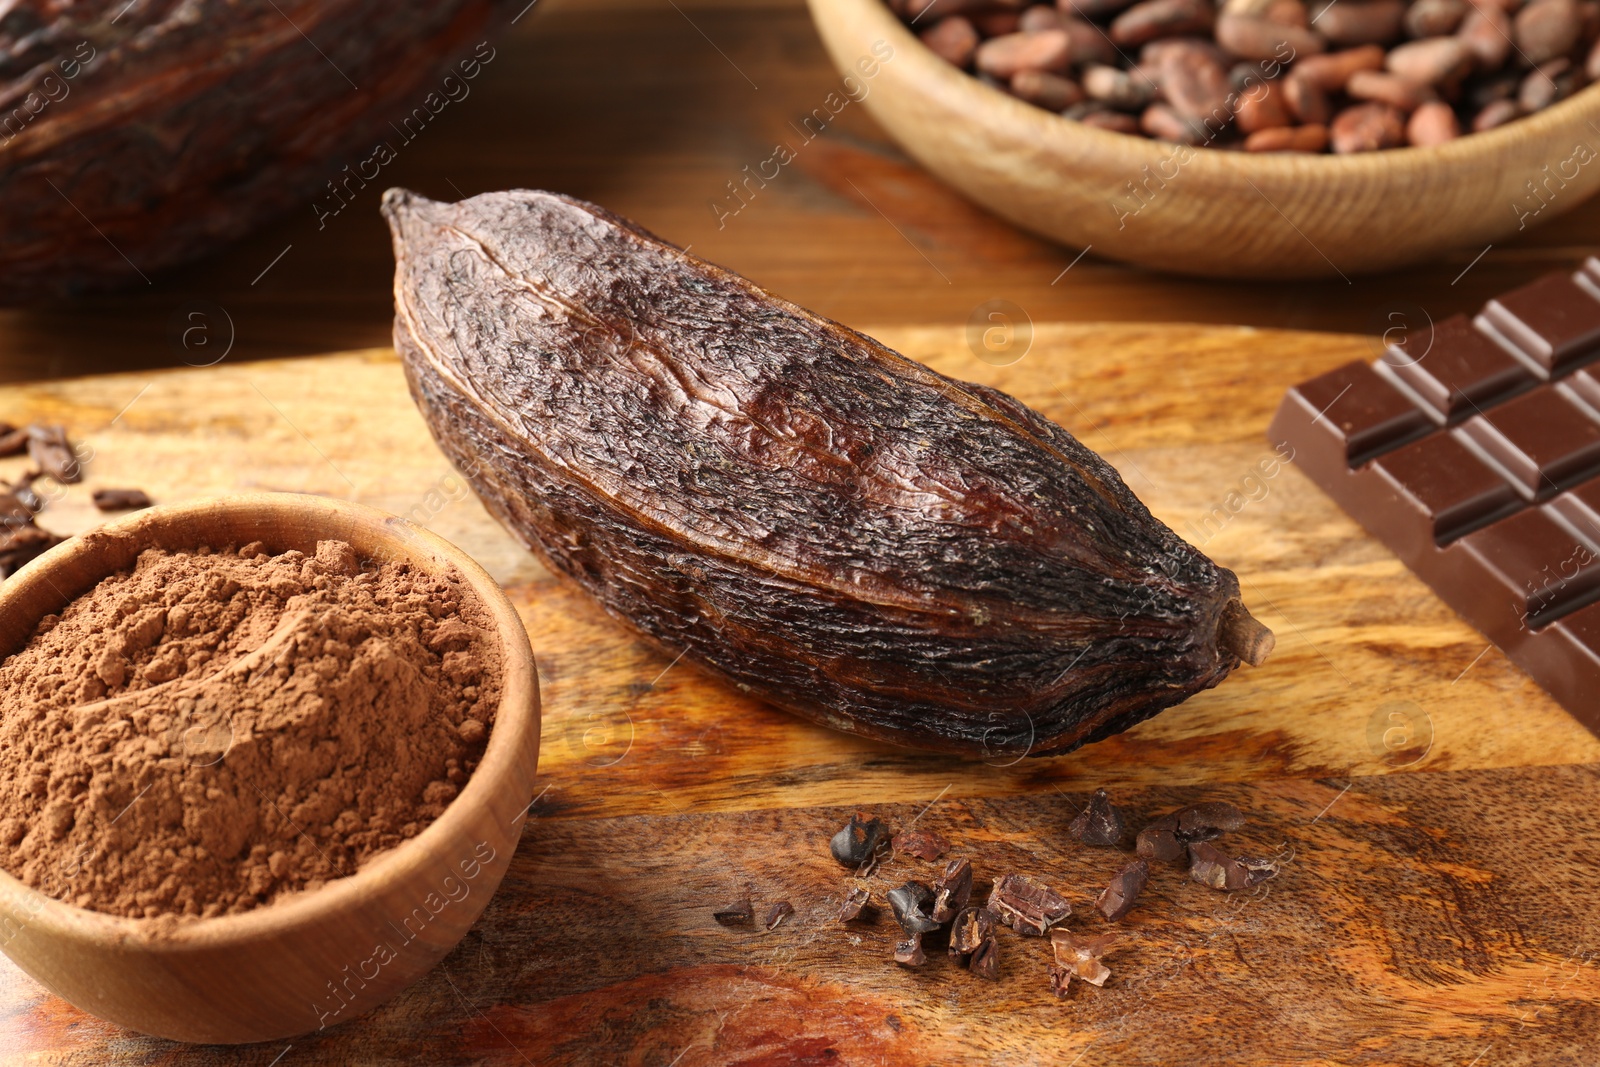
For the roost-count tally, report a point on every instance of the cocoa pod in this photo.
(176, 128)
(1496, 113)
(1152, 19)
(1432, 124)
(1002, 57)
(1435, 61)
(953, 39)
(1367, 128)
(1391, 89)
(1353, 22)
(1434, 18)
(1546, 29)
(1330, 72)
(818, 520)
(1257, 38)
(1043, 89)
(1313, 138)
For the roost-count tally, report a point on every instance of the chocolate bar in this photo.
(1473, 452)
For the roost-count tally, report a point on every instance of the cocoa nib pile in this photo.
(1274, 75)
(212, 731)
(952, 912)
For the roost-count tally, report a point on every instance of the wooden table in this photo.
(1433, 807)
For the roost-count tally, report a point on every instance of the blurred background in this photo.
(650, 108)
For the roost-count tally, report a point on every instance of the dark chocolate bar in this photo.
(1473, 453)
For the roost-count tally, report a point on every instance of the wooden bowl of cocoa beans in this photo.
(1270, 138)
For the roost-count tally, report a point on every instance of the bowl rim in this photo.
(966, 92)
(518, 712)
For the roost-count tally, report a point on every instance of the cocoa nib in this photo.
(120, 499)
(13, 442)
(1211, 866)
(739, 913)
(909, 952)
(1117, 898)
(910, 903)
(1077, 956)
(1027, 906)
(856, 905)
(858, 842)
(22, 544)
(777, 913)
(923, 844)
(972, 940)
(1100, 825)
(1168, 837)
(49, 448)
(952, 891)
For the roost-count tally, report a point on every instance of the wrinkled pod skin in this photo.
(809, 515)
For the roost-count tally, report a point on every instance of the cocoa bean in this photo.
(1256, 38)
(1196, 85)
(1391, 89)
(1306, 100)
(1120, 89)
(1497, 113)
(1166, 124)
(1152, 19)
(1367, 128)
(1546, 29)
(953, 39)
(1431, 124)
(1352, 22)
(1310, 138)
(1331, 71)
(915, 9)
(1434, 18)
(1550, 81)
(1500, 87)
(1288, 13)
(1002, 57)
(1093, 9)
(1591, 65)
(1435, 61)
(1486, 31)
(1041, 17)
(1043, 89)
(1088, 43)
(996, 23)
(1117, 121)
(1262, 109)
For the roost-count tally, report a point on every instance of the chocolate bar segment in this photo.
(1453, 490)
(1455, 368)
(1495, 500)
(1365, 414)
(1543, 440)
(1553, 321)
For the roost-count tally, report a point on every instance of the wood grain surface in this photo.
(1438, 907)
(650, 108)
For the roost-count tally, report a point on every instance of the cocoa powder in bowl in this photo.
(214, 731)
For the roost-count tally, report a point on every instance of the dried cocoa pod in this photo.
(176, 127)
(815, 518)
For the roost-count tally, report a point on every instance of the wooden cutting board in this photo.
(1434, 807)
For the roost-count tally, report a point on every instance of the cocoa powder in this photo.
(211, 732)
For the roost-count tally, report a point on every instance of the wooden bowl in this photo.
(1209, 211)
(319, 958)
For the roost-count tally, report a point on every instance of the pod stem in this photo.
(1240, 635)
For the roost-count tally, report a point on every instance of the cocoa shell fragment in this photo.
(814, 518)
